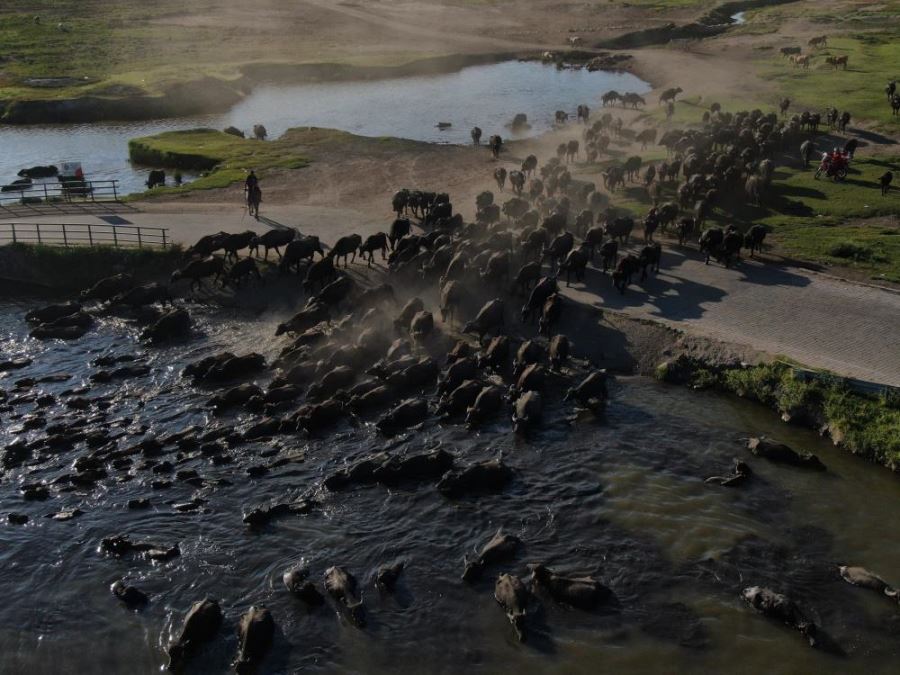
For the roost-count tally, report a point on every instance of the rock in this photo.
(16, 518)
(779, 453)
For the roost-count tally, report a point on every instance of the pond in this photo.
(409, 107)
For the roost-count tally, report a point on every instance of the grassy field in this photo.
(224, 159)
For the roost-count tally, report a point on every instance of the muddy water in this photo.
(410, 107)
(622, 500)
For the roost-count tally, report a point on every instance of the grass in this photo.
(224, 159)
(867, 425)
(75, 268)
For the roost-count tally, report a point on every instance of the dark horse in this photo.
(254, 197)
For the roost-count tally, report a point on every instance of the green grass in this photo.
(73, 269)
(874, 58)
(224, 159)
(867, 425)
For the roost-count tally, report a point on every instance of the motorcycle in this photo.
(833, 166)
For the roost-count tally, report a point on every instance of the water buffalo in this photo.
(256, 630)
(197, 270)
(578, 592)
(302, 249)
(476, 135)
(233, 243)
(488, 320)
(499, 548)
(108, 288)
(200, 625)
(575, 263)
(541, 291)
(550, 314)
(241, 270)
(650, 257)
(272, 239)
(511, 594)
(373, 243)
(627, 267)
(755, 237)
(620, 228)
(347, 245)
(320, 273)
(342, 586)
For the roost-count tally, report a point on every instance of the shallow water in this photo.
(410, 107)
(622, 500)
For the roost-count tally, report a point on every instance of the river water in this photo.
(410, 107)
(621, 499)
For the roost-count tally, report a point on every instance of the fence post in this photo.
(115, 237)
(91, 188)
(164, 237)
(140, 243)
(90, 235)
(65, 238)
(46, 196)
(13, 226)
(115, 194)
(38, 228)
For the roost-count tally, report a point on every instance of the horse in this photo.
(254, 197)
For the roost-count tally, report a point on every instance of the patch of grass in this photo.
(72, 269)
(224, 158)
(868, 425)
(872, 61)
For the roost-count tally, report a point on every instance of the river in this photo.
(622, 499)
(409, 107)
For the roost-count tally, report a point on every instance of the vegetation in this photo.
(867, 425)
(224, 158)
(78, 267)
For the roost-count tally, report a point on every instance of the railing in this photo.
(84, 234)
(65, 191)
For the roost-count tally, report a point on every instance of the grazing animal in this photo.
(233, 243)
(500, 177)
(453, 294)
(609, 254)
(550, 314)
(197, 270)
(620, 228)
(373, 243)
(885, 181)
(684, 230)
(710, 241)
(625, 270)
(241, 270)
(496, 144)
(272, 239)
(575, 263)
(820, 41)
(835, 61)
(789, 51)
(650, 257)
(754, 238)
(488, 320)
(345, 246)
(669, 95)
(299, 250)
(259, 132)
(806, 152)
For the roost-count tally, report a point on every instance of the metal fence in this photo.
(62, 192)
(84, 234)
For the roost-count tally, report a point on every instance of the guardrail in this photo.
(85, 234)
(64, 191)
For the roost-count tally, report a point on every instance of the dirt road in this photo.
(822, 322)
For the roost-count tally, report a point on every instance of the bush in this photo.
(850, 250)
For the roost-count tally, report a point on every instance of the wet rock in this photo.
(51, 313)
(14, 364)
(500, 548)
(262, 515)
(35, 492)
(513, 597)
(256, 630)
(63, 516)
(341, 585)
(122, 373)
(173, 325)
(779, 453)
(457, 373)
(137, 504)
(361, 473)
(16, 518)
(257, 471)
(109, 360)
(54, 332)
(200, 625)
(482, 478)
(131, 596)
(120, 545)
(15, 454)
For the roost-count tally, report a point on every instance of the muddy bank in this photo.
(190, 98)
(211, 95)
(713, 23)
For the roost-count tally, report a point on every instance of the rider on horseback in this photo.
(254, 194)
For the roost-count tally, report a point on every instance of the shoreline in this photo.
(211, 95)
